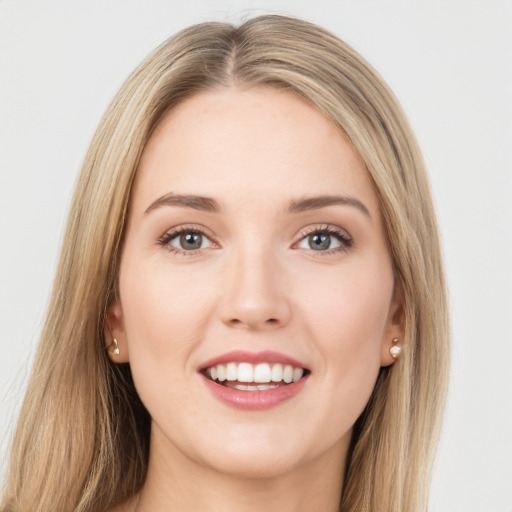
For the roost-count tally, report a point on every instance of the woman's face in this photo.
(254, 243)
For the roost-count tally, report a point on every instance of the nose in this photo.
(255, 295)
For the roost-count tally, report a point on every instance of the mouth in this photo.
(263, 376)
(254, 381)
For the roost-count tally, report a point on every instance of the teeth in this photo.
(262, 373)
(221, 372)
(245, 372)
(231, 372)
(277, 373)
(264, 387)
(297, 374)
(252, 387)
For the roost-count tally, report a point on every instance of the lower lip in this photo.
(254, 400)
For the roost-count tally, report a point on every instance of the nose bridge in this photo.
(254, 297)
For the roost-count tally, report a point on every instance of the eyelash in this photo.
(341, 235)
(326, 229)
(170, 235)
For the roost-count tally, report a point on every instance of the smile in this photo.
(254, 381)
(254, 377)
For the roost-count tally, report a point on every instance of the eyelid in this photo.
(343, 236)
(313, 228)
(174, 232)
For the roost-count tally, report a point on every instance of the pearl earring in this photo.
(395, 349)
(115, 349)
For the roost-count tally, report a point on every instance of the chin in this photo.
(257, 454)
(251, 466)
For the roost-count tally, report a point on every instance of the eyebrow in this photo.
(314, 203)
(208, 204)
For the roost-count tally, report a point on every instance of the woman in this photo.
(249, 311)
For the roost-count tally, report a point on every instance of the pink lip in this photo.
(253, 400)
(241, 356)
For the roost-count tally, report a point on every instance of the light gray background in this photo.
(450, 64)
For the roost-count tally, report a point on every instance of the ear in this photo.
(395, 329)
(114, 329)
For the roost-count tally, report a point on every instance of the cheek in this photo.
(347, 317)
(347, 309)
(164, 311)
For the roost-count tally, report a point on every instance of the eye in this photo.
(185, 240)
(188, 241)
(328, 239)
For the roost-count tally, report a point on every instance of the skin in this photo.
(255, 284)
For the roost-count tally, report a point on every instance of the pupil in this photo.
(191, 241)
(319, 242)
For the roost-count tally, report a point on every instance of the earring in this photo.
(395, 349)
(115, 350)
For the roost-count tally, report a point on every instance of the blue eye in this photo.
(185, 240)
(321, 242)
(188, 241)
(326, 239)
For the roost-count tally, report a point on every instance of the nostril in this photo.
(269, 321)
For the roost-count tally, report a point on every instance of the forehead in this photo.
(242, 144)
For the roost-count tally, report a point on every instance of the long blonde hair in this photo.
(82, 439)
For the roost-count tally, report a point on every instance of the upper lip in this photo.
(241, 356)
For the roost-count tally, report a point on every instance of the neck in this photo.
(175, 482)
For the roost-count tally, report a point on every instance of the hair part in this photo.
(82, 442)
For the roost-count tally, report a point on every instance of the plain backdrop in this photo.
(449, 63)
